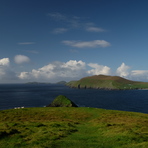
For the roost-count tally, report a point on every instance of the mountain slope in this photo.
(107, 82)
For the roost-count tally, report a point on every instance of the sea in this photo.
(40, 95)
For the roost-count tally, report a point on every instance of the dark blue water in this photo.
(17, 95)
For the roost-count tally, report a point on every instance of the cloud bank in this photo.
(74, 70)
(70, 70)
(57, 71)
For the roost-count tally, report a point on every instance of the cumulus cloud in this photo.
(4, 62)
(71, 70)
(98, 69)
(56, 71)
(20, 59)
(123, 70)
(6, 74)
(59, 30)
(83, 44)
(94, 29)
(136, 75)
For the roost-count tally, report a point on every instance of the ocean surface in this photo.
(39, 95)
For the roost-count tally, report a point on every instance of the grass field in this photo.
(71, 127)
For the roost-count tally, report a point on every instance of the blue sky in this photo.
(50, 41)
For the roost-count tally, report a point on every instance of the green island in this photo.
(107, 82)
(72, 127)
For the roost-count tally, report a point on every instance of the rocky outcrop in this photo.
(62, 101)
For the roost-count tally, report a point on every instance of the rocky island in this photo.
(62, 101)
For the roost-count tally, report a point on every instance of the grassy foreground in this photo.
(64, 127)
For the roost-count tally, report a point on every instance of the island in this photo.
(60, 82)
(107, 82)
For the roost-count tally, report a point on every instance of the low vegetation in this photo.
(73, 127)
(107, 82)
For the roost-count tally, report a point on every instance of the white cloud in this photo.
(24, 75)
(59, 30)
(4, 62)
(83, 44)
(98, 69)
(20, 59)
(123, 70)
(26, 43)
(6, 74)
(139, 72)
(56, 71)
(70, 70)
(94, 29)
(136, 75)
(139, 75)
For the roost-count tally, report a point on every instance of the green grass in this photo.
(107, 82)
(63, 127)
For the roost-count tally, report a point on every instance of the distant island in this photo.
(107, 82)
(60, 82)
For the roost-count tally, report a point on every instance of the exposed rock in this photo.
(62, 101)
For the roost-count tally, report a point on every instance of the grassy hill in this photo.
(64, 127)
(107, 82)
(62, 101)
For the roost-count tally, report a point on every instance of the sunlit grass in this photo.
(72, 127)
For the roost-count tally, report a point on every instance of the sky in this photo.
(63, 40)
